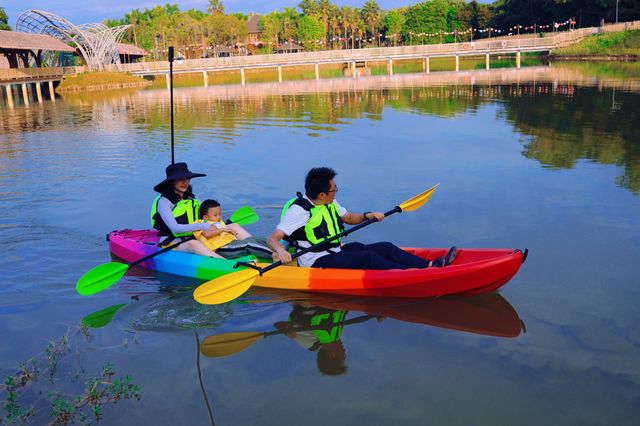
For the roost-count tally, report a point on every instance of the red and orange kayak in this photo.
(474, 271)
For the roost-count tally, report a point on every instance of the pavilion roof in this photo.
(28, 41)
(130, 49)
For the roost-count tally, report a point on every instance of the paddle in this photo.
(102, 317)
(231, 286)
(104, 276)
(226, 344)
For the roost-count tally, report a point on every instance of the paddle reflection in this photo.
(317, 322)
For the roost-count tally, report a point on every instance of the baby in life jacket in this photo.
(230, 241)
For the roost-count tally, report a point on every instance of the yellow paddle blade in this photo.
(225, 288)
(226, 344)
(418, 201)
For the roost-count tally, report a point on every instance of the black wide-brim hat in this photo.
(174, 172)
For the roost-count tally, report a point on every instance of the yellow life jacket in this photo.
(217, 241)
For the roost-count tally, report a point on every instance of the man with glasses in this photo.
(308, 220)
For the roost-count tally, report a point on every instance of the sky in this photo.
(80, 12)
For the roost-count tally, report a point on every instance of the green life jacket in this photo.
(185, 211)
(330, 332)
(324, 222)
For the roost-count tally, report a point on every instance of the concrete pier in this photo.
(25, 94)
(38, 92)
(9, 96)
(52, 92)
(205, 78)
(390, 67)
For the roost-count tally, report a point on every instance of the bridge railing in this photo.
(483, 46)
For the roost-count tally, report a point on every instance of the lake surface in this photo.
(546, 158)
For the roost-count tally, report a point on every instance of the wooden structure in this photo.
(130, 53)
(21, 55)
(24, 50)
(254, 33)
(288, 47)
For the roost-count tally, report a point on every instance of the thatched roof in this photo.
(253, 24)
(27, 41)
(130, 49)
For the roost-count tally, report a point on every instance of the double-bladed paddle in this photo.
(231, 286)
(104, 276)
(225, 344)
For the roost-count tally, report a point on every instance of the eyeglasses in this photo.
(333, 190)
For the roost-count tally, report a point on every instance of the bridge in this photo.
(353, 58)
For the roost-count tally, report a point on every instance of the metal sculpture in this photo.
(97, 43)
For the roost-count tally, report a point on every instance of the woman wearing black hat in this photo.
(176, 209)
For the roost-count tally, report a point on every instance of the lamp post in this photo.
(617, 11)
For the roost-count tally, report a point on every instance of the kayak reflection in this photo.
(317, 321)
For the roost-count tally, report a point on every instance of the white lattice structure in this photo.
(96, 42)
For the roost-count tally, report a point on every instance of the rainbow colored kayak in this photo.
(474, 271)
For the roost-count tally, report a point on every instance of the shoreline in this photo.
(594, 58)
(103, 86)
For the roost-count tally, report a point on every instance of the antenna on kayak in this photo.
(171, 97)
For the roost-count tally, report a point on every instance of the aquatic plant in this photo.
(62, 408)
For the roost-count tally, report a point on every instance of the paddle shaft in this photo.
(171, 98)
(172, 246)
(159, 252)
(356, 320)
(326, 242)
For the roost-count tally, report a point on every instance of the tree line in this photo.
(320, 24)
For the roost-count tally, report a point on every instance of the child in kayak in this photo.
(230, 241)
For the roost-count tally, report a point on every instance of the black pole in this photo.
(171, 97)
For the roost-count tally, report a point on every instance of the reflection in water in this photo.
(574, 116)
(317, 321)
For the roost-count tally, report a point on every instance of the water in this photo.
(544, 158)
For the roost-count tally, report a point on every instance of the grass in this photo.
(619, 43)
(99, 80)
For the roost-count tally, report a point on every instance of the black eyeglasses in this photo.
(333, 190)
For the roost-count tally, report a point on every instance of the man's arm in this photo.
(274, 244)
(356, 218)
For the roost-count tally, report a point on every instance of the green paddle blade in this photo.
(102, 317)
(244, 216)
(228, 343)
(100, 278)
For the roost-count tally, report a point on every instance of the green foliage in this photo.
(394, 21)
(63, 408)
(310, 31)
(619, 43)
(4, 20)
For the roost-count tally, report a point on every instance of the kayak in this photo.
(488, 314)
(474, 271)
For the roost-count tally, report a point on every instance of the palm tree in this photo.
(371, 15)
(334, 23)
(325, 11)
(215, 6)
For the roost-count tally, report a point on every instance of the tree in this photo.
(215, 6)
(393, 23)
(271, 26)
(310, 30)
(289, 19)
(309, 7)
(371, 16)
(324, 7)
(4, 20)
